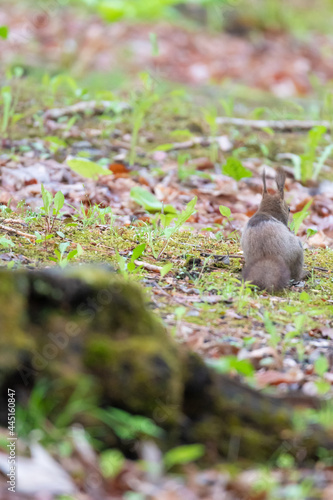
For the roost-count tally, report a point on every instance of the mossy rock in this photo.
(89, 322)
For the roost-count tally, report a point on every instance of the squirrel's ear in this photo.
(264, 182)
(280, 180)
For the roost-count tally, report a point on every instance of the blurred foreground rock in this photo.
(89, 322)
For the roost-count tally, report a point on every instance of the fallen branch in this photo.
(16, 231)
(149, 267)
(14, 221)
(96, 107)
(283, 125)
(210, 299)
(222, 141)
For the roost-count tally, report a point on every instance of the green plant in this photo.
(130, 267)
(61, 259)
(321, 366)
(183, 169)
(166, 269)
(178, 222)
(149, 201)
(210, 116)
(230, 364)
(6, 242)
(7, 110)
(141, 103)
(299, 328)
(4, 31)
(42, 411)
(89, 216)
(51, 207)
(184, 454)
(125, 425)
(9, 102)
(88, 169)
(271, 330)
(186, 169)
(115, 10)
(235, 169)
(299, 217)
(305, 166)
(226, 212)
(111, 462)
(54, 143)
(228, 106)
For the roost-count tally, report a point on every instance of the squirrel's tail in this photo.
(268, 274)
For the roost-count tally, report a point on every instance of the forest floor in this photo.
(188, 259)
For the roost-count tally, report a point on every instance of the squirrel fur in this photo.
(273, 254)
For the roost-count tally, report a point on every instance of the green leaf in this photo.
(72, 254)
(111, 12)
(79, 249)
(154, 44)
(320, 163)
(165, 269)
(59, 201)
(183, 454)
(131, 267)
(6, 242)
(225, 211)
(234, 168)
(311, 232)
(47, 200)
(228, 364)
(55, 143)
(7, 101)
(314, 136)
(4, 31)
(138, 251)
(164, 147)
(63, 247)
(166, 219)
(321, 365)
(111, 462)
(299, 217)
(149, 201)
(186, 214)
(88, 169)
(304, 297)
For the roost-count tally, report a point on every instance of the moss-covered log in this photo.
(88, 321)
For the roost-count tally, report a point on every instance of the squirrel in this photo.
(273, 254)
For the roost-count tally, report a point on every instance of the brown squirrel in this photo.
(273, 254)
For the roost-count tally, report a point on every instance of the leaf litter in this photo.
(200, 300)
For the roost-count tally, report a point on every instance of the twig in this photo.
(204, 254)
(211, 299)
(97, 107)
(283, 125)
(15, 221)
(201, 141)
(16, 231)
(320, 269)
(149, 267)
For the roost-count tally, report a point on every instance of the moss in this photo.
(137, 374)
(13, 320)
